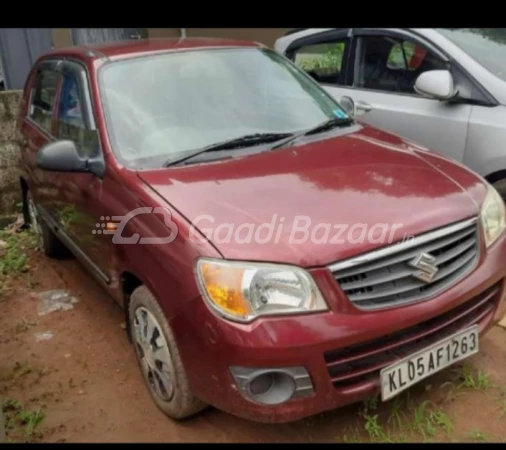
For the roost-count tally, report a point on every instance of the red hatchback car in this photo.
(274, 257)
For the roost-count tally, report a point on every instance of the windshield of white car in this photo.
(160, 107)
(486, 45)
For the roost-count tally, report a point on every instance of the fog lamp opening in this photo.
(271, 388)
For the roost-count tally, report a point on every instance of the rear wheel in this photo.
(46, 239)
(158, 357)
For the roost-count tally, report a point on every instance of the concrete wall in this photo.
(9, 151)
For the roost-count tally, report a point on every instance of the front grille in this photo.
(353, 366)
(386, 277)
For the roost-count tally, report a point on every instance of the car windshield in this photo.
(486, 45)
(162, 106)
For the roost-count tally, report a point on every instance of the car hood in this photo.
(367, 180)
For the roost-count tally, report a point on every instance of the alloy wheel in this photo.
(154, 354)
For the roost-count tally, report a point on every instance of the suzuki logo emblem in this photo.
(426, 265)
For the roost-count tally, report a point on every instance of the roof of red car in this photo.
(123, 49)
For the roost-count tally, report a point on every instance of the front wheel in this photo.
(158, 357)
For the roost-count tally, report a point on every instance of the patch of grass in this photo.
(373, 428)
(15, 257)
(397, 415)
(440, 419)
(14, 261)
(379, 435)
(30, 420)
(10, 408)
(472, 380)
(11, 405)
(17, 417)
(428, 419)
(370, 405)
(478, 436)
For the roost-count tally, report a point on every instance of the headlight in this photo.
(493, 216)
(243, 291)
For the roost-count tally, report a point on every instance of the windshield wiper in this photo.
(243, 141)
(327, 125)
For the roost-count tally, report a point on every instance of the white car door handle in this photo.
(363, 106)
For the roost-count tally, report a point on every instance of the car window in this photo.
(393, 65)
(324, 61)
(71, 124)
(161, 106)
(42, 99)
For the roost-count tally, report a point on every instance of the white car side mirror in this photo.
(436, 84)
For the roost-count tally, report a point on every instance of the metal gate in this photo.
(99, 35)
(19, 48)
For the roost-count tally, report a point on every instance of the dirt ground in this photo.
(82, 384)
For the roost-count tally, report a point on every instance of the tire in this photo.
(501, 188)
(162, 369)
(46, 239)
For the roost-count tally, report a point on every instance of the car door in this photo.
(381, 72)
(385, 67)
(82, 212)
(37, 130)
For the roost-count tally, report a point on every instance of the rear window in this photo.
(42, 99)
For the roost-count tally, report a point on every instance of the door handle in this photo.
(363, 106)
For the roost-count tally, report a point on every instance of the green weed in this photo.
(478, 436)
(30, 420)
(14, 259)
(427, 420)
(479, 381)
(15, 415)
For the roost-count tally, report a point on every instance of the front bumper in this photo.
(342, 352)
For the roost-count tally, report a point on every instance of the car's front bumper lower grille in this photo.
(353, 366)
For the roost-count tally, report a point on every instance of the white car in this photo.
(443, 88)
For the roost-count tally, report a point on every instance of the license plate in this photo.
(414, 368)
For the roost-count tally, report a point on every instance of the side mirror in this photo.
(349, 106)
(62, 156)
(436, 84)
